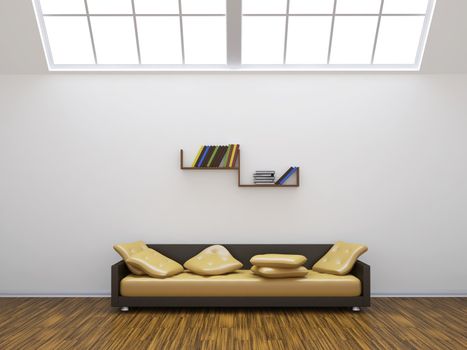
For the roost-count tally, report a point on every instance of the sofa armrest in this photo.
(119, 271)
(362, 272)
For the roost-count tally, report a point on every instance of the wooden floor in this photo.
(88, 323)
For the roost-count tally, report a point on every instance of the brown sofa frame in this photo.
(243, 253)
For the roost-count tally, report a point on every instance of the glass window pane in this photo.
(114, 39)
(308, 40)
(203, 7)
(69, 40)
(263, 40)
(169, 7)
(353, 40)
(62, 7)
(398, 40)
(205, 40)
(311, 6)
(264, 6)
(358, 6)
(110, 6)
(159, 40)
(405, 6)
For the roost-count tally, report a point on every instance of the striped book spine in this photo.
(232, 156)
(197, 157)
(216, 149)
(201, 160)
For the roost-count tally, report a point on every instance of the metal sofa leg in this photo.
(124, 309)
(356, 309)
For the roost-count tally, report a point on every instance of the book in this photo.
(204, 164)
(203, 154)
(213, 155)
(278, 182)
(234, 156)
(290, 173)
(231, 157)
(265, 172)
(197, 157)
(226, 157)
(219, 157)
(227, 165)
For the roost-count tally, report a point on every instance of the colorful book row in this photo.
(292, 170)
(216, 157)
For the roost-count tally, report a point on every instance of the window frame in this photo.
(234, 45)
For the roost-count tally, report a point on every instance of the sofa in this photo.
(241, 288)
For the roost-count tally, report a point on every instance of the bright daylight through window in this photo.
(234, 34)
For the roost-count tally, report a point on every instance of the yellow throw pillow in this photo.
(340, 259)
(214, 260)
(126, 250)
(277, 272)
(154, 264)
(278, 260)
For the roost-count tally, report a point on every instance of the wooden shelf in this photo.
(205, 168)
(266, 185)
(183, 167)
(237, 168)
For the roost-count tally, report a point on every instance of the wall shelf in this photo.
(237, 168)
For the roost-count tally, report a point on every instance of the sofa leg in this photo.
(356, 309)
(124, 309)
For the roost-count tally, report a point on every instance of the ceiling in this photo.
(21, 49)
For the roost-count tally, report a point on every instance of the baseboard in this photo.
(97, 294)
(419, 295)
(106, 294)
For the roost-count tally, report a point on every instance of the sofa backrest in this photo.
(244, 252)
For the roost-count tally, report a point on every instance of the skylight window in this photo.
(234, 34)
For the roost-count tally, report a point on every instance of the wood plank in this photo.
(90, 323)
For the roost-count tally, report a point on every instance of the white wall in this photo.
(90, 160)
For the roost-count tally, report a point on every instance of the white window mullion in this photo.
(90, 31)
(286, 34)
(182, 42)
(332, 30)
(136, 31)
(377, 32)
(234, 32)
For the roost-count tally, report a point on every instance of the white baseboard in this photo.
(419, 295)
(97, 294)
(106, 294)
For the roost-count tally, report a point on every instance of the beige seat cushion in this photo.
(154, 264)
(214, 260)
(241, 283)
(278, 272)
(340, 259)
(278, 260)
(128, 249)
